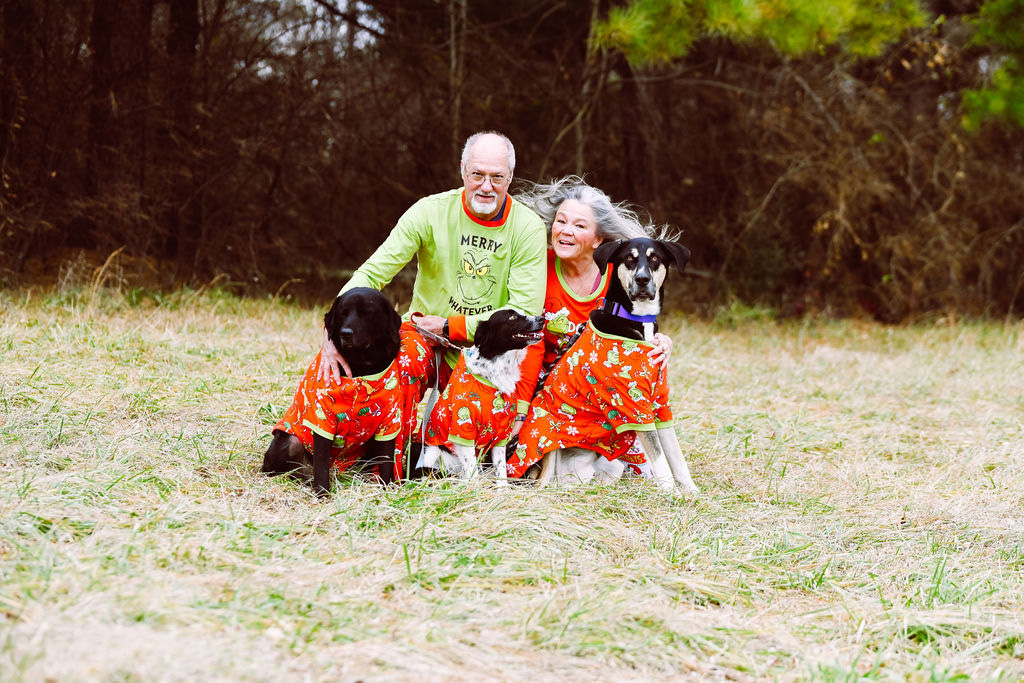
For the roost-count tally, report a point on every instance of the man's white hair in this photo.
(471, 140)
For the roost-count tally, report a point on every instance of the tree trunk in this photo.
(118, 112)
(457, 16)
(15, 16)
(184, 214)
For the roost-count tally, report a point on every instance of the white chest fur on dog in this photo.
(502, 371)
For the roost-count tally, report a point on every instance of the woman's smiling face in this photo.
(574, 232)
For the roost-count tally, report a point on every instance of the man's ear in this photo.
(603, 254)
(680, 253)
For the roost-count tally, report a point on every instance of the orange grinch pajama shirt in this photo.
(605, 389)
(380, 407)
(471, 412)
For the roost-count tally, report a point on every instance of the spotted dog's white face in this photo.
(641, 272)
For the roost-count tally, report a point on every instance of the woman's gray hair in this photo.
(615, 221)
(471, 140)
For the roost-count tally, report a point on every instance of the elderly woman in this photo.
(580, 217)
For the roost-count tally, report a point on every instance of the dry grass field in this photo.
(861, 515)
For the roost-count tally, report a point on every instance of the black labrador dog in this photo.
(364, 327)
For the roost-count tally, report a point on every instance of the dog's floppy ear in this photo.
(394, 321)
(680, 253)
(483, 331)
(331, 317)
(603, 254)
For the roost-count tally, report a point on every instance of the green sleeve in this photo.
(391, 256)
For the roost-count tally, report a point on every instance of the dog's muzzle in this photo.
(536, 331)
(349, 342)
(642, 287)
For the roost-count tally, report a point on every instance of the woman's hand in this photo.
(662, 349)
(330, 358)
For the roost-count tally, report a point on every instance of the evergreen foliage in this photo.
(650, 31)
(1000, 27)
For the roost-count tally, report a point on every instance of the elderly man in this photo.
(478, 250)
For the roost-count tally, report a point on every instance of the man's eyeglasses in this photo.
(497, 179)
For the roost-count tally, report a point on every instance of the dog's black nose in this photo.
(643, 279)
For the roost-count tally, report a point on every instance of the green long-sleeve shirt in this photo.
(467, 267)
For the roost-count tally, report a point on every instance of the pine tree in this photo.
(1000, 28)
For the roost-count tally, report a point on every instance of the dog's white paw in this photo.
(678, 491)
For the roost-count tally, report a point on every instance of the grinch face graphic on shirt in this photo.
(474, 278)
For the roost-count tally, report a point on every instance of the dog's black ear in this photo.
(680, 253)
(483, 331)
(603, 254)
(331, 317)
(394, 321)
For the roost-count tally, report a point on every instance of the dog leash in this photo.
(438, 343)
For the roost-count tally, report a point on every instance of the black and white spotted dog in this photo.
(475, 413)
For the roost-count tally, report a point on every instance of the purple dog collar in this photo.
(616, 308)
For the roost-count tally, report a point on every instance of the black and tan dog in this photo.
(331, 421)
(605, 386)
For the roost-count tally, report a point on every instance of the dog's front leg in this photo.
(429, 455)
(467, 460)
(498, 460)
(660, 467)
(382, 454)
(321, 465)
(676, 462)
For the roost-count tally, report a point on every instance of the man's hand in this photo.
(662, 349)
(430, 323)
(330, 357)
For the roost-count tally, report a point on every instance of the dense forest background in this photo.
(841, 157)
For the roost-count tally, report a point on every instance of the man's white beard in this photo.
(481, 209)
